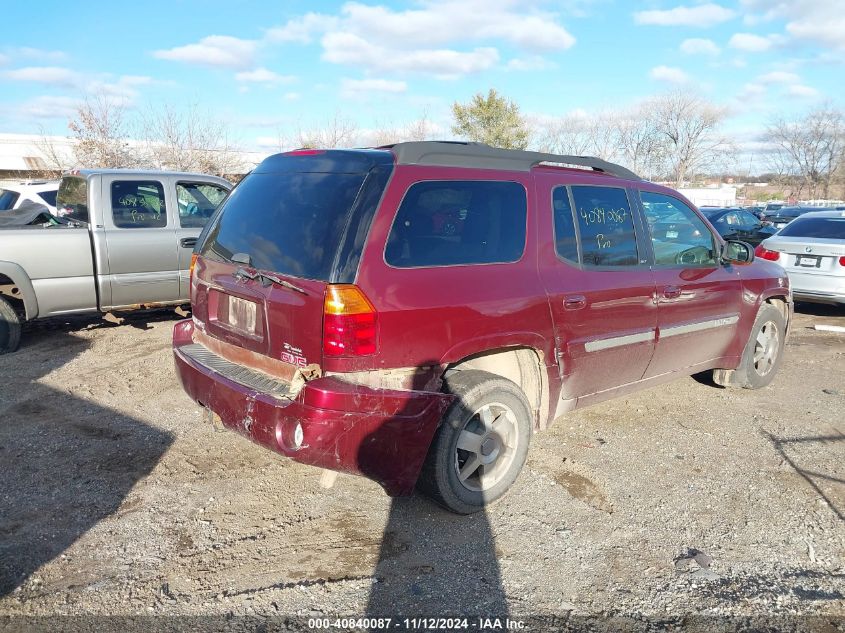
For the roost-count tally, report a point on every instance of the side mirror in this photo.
(736, 252)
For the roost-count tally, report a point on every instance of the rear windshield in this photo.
(72, 198)
(291, 223)
(8, 199)
(831, 228)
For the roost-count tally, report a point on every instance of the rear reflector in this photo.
(349, 322)
(765, 253)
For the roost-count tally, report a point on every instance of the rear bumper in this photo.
(381, 434)
(817, 287)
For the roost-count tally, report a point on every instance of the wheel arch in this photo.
(522, 365)
(15, 284)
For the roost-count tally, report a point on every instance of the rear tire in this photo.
(481, 444)
(10, 328)
(762, 355)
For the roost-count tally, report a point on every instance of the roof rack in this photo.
(480, 155)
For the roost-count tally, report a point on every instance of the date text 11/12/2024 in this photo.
(417, 624)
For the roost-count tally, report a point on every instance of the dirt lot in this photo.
(116, 499)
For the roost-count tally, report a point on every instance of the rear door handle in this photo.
(671, 292)
(575, 302)
(188, 242)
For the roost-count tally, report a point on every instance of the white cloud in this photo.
(699, 46)
(821, 22)
(39, 53)
(800, 90)
(533, 62)
(51, 107)
(347, 48)
(3, 59)
(356, 87)
(215, 50)
(752, 43)
(442, 38)
(669, 74)
(291, 96)
(54, 75)
(302, 29)
(703, 15)
(778, 77)
(263, 76)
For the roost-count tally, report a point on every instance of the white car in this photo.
(39, 191)
(811, 249)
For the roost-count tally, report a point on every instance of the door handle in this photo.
(188, 242)
(671, 292)
(575, 302)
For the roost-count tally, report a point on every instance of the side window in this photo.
(606, 226)
(566, 242)
(731, 219)
(678, 235)
(447, 223)
(138, 204)
(197, 202)
(747, 220)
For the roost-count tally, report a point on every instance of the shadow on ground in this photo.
(67, 463)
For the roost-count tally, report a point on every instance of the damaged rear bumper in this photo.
(382, 434)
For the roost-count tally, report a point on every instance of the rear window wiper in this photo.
(266, 279)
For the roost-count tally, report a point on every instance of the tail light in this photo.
(842, 261)
(765, 253)
(349, 322)
(191, 269)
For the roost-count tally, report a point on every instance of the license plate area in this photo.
(242, 315)
(808, 261)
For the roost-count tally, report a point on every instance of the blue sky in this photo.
(269, 67)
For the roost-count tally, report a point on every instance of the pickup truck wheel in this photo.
(10, 328)
(481, 445)
(762, 354)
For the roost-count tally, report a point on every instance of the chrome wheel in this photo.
(766, 347)
(486, 447)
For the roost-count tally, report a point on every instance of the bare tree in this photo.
(55, 160)
(565, 135)
(338, 131)
(690, 124)
(639, 143)
(420, 129)
(189, 140)
(811, 147)
(99, 128)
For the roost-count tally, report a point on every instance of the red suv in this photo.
(337, 321)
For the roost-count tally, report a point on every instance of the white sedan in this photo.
(811, 249)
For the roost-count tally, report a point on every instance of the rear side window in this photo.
(49, 197)
(606, 226)
(566, 240)
(197, 202)
(8, 199)
(72, 198)
(831, 228)
(448, 223)
(138, 204)
(286, 222)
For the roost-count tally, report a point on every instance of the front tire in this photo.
(481, 444)
(10, 328)
(762, 355)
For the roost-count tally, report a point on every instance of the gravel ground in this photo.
(682, 500)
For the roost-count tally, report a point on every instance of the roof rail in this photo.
(480, 155)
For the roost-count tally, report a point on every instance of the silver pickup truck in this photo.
(128, 246)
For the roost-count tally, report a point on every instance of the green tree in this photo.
(493, 119)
